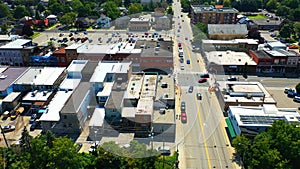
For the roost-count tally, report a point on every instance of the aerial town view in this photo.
(150, 84)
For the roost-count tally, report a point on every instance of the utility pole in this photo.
(4, 136)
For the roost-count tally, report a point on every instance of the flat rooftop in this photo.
(107, 87)
(150, 49)
(10, 76)
(139, 20)
(17, 44)
(41, 76)
(134, 86)
(149, 86)
(55, 106)
(36, 96)
(77, 65)
(128, 112)
(115, 100)
(167, 118)
(234, 41)
(263, 115)
(97, 117)
(229, 58)
(144, 106)
(210, 8)
(11, 97)
(169, 90)
(69, 84)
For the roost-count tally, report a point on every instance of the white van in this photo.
(296, 99)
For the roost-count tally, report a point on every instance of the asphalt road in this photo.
(202, 139)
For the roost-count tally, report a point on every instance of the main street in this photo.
(202, 141)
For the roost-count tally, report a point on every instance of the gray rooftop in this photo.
(115, 100)
(77, 98)
(170, 90)
(9, 76)
(227, 29)
(17, 44)
(210, 8)
(165, 49)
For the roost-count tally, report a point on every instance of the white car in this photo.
(164, 150)
(8, 128)
(182, 67)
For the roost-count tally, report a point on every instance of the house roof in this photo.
(227, 29)
(17, 44)
(9, 76)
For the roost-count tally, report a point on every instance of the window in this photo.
(65, 117)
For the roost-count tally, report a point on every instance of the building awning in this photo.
(230, 128)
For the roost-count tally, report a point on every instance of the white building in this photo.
(139, 24)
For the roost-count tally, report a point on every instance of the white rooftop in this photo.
(275, 53)
(11, 97)
(74, 46)
(134, 87)
(106, 90)
(276, 44)
(234, 41)
(264, 115)
(41, 76)
(69, 84)
(229, 58)
(37, 96)
(109, 67)
(17, 44)
(149, 86)
(139, 20)
(144, 106)
(77, 65)
(98, 117)
(55, 106)
(3, 68)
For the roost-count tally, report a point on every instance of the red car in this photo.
(179, 44)
(202, 80)
(293, 47)
(183, 117)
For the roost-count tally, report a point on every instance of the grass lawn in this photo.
(258, 17)
(35, 34)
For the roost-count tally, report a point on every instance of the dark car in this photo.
(183, 117)
(8, 128)
(232, 78)
(202, 80)
(182, 106)
(292, 93)
(61, 34)
(199, 96)
(32, 118)
(206, 75)
(34, 125)
(191, 88)
(71, 34)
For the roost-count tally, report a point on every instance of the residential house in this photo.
(52, 19)
(208, 14)
(103, 22)
(227, 31)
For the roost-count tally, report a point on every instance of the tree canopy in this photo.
(277, 148)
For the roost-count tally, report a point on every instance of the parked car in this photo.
(232, 78)
(6, 114)
(183, 117)
(202, 80)
(205, 75)
(199, 96)
(164, 150)
(34, 125)
(8, 128)
(181, 60)
(32, 118)
(14, 115)
(188, 61)
(296, 99)
(179, 44)
(286, 90)
(61, 34)
(182, 67)
(191, 88)
(292, 93)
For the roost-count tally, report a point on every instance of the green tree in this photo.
(68, 19)
(202, 27)
(185, 4)
(297, 29)
(5, 12)
(282, 10)
(111, 10)
(4, 28)
(285, 31)
(298, 88)
(56, 8)
(170, 11)
(226, 3)
(271, 5)
(135, 8)
(20, 11)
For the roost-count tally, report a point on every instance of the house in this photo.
(250, 120)
(26, 21)
(228, 31)
(83, 22)
(208, 14)
(163, 23)
(103, 22)
(122, 22)
(52, 19)
(139, 24)
(16, 53)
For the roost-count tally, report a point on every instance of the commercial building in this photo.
(228, 31)
(276, 61)
(208, 14)
(229, 62)
(121, 22)
(163, 23)
(8, 76)
(245, 94)
(16, 53)
(250, 120)
(238, 45)
(139, 24)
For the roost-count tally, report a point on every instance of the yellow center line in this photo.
(189, 55)
(202, 129)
